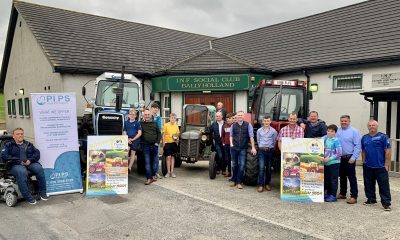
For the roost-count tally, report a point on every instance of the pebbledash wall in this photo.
(331, 101)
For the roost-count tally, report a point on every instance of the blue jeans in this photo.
(151, 160)
(348, 170)
(380, 175)
(220, 157)
(227, 155)
(20, 172)
(331, 174)
(264, 166)
(238, 164)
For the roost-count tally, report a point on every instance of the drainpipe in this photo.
(371, 108)
(307, 103)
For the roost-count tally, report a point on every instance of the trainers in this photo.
(44, 197)
(239, 186)
(158, 176)
(173, 175)
(331, 198)
(167, 175)
(369, 202)
(386, 207)
(32, 202)
(351, 200)
(341, 196)
(232, 184)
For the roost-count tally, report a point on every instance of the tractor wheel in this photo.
(11, 199)
(251, 170)
(178, 161)
(140, 163)
(212, 166)
(164, 169)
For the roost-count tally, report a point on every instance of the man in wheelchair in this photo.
(23, 160)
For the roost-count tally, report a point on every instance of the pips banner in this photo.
(56, 137)
(302, 173)
(107, 165)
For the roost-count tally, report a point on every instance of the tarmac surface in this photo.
(192, 206)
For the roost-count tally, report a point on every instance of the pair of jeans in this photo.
(331, 174)
(380, 175)
(348, 171)
(20, 172)
(264, 166)
(238, 164)
(227, 155)
(151, 161)
(221, 166)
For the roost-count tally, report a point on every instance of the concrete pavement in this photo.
(192, 206)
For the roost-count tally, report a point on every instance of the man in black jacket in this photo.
(313, 127)
(151, 137)
(24, 157)
(215, 133)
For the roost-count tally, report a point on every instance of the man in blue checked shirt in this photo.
(351, 146)
(266, 138)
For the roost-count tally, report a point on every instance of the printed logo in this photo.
(53, 99)
(120, 143)
(315, 147)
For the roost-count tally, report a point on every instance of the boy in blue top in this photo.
(333, 151)
(133, 129)
(376, 159)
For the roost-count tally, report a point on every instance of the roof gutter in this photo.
(371, 107)
(307, 101)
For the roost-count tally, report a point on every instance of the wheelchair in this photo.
(9, 190)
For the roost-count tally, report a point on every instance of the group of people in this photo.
(147, 135)
(343, 146)
(231, 136)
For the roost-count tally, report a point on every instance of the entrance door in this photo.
(211, 99)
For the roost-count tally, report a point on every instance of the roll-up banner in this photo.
(56, 137)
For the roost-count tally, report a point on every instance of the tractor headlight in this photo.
(203, 138)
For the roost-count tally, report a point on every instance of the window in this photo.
(9, 107)
(27, 109)
(13, 108)
(20, 107)
(346, 82)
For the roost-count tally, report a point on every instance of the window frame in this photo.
(27, 107)
(347, 77)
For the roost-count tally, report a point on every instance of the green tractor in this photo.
(194, 143)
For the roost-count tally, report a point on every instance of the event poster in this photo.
(302, 172)
(56, 137)
(107, 165)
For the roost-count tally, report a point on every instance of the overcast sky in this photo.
(209, 17)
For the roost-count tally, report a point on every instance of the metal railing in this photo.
(395, 158)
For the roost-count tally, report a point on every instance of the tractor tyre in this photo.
(251, 170)
(178, 161)
(212, 166)
(140, 163)
(164, 169)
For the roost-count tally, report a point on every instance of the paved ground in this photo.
(194, 207)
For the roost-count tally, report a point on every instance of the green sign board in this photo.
(233, 82)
